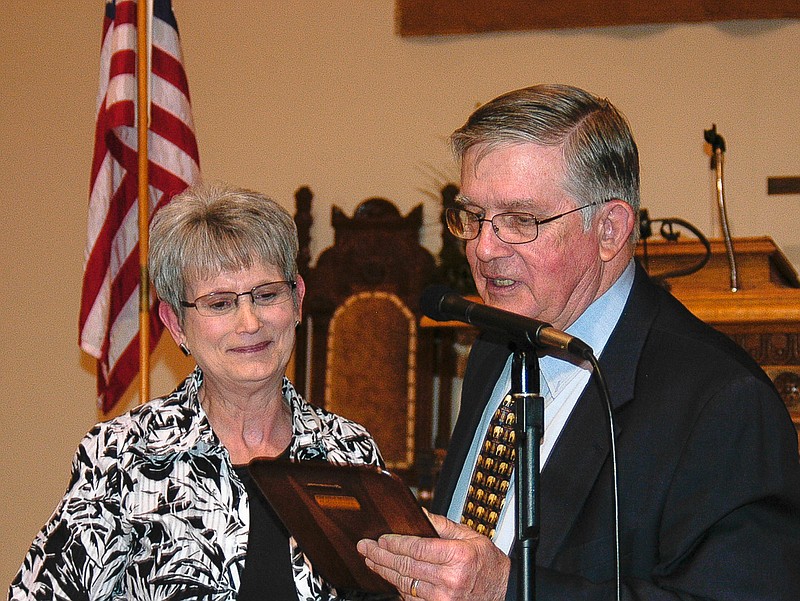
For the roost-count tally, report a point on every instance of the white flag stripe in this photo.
(92, 335)
(167, 96)
(124, 328)
(164, 38)
(173, 158)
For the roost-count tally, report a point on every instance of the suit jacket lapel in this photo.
(584, 446)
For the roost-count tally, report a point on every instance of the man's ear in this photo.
(616, 223)
(171, 321)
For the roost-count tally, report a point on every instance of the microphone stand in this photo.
(529, 430)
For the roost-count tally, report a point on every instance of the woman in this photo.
(160, 505)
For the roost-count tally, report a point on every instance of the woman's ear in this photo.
(300, 291)
(171, 321)
(616, 223)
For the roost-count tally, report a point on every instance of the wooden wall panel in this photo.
(435, 17)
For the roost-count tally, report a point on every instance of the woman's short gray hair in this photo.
(211, 228)
(601, 158)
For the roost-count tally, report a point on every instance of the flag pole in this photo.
(143, 112)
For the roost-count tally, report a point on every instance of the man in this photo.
(707, 459)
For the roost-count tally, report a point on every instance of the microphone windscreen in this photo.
(431, 301)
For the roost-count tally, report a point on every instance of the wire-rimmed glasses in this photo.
(223, 303)
(513, 227)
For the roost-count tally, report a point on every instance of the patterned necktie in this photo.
(492, 475)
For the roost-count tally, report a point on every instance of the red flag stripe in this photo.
(125, 12)
(174, 131)
(169, 68)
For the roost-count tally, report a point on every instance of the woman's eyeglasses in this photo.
(223, 303)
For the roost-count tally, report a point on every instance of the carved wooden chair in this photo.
(360, 350)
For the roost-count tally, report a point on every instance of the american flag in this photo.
(109, 316)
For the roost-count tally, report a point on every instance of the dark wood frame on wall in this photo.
(436, 17)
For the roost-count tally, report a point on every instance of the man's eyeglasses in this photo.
(223, 303)
(512, 228)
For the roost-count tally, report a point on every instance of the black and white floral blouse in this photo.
(154, 509)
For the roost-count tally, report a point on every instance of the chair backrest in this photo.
(360, 350)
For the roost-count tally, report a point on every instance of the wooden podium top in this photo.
(769, 287)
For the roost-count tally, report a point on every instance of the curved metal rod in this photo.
(718, 149)
(723, 214)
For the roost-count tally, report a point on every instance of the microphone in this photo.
(442, 304)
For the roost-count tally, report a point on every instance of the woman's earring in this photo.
(296, 323)
(184, 349)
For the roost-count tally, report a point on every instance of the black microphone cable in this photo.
(600, 380)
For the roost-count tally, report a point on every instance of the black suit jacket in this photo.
(709, 479)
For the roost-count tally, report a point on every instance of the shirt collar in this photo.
(594, 327)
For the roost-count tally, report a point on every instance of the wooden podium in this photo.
(763, 315)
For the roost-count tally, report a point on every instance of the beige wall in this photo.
(323, 93)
